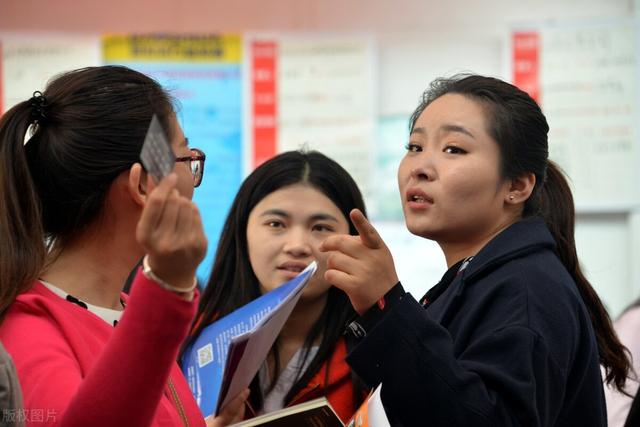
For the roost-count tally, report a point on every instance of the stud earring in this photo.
(511, 197)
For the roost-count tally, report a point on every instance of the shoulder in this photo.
(523, 265)
(627, 327)
(537, 286)
(542, 294)
(529, 287)
(55, 326)
(520, 261)
(37, 312)
(630, 318)
(31, 309)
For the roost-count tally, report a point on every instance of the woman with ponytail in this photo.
(77, 211)
(513, 334)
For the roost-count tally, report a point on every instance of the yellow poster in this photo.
(173, 48)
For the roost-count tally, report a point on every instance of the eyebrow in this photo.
(446, 128)
(315, 217)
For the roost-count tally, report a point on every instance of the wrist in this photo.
(367, 320)
(185, 292)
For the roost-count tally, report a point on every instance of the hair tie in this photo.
(39, 106)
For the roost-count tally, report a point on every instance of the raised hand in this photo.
(361, 266)
(170, 230)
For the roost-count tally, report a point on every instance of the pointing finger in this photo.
(349, 245)
(368, 234)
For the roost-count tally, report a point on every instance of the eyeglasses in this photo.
(196, 164)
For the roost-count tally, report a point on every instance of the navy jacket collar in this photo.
(523, 237)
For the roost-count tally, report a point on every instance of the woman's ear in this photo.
(138, 184)
(520, 188)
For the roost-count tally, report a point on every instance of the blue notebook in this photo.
(228, 353)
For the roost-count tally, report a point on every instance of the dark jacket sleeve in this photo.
(505, 377)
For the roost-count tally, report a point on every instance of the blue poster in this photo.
(209, 96)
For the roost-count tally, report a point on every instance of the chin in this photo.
(420, 230)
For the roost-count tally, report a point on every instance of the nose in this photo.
(420, 173)
(298, 243)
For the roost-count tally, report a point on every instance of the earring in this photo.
(511, 197)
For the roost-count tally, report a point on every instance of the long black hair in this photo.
(233, 282)
(517, 124)
(85, 129)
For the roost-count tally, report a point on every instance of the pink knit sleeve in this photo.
(125, 383)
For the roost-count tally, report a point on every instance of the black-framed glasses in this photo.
(196, 164)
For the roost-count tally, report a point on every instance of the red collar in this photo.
(332, 372)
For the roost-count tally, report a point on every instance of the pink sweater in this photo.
(77, 370)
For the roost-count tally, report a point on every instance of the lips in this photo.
(292, 266)
(417, 196)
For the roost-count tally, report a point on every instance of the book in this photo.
(319, 413)
(228, 353)
(371, 413)
(314, 413)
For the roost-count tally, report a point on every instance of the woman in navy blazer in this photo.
(513, 334)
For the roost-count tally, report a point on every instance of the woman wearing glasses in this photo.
(195, 160)
(77, 211)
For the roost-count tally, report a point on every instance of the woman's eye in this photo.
(452, 149)
(413, 147)
(322, 228)
(275, 224)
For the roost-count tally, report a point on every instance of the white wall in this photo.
(473, 38)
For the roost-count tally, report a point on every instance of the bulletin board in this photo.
(585, 78)
(28, 61)
(312, 91)
(240, 98)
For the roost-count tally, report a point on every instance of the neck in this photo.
(295, 331)
(457, 250)
(302, 319)
(95, 266)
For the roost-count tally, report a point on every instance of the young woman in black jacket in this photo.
(513, 334)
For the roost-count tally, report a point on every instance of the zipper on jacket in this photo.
(178, 403)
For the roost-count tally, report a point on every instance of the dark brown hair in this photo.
(233, 283)
(88, 127)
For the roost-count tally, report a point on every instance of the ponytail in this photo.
(520, 129)
(22, 242)
(89, 126)
(557, 208)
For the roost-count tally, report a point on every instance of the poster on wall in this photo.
(203, 73)
(28, 62)
(315, 92)
(585, 77)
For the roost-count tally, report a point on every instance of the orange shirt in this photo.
(337, 383)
